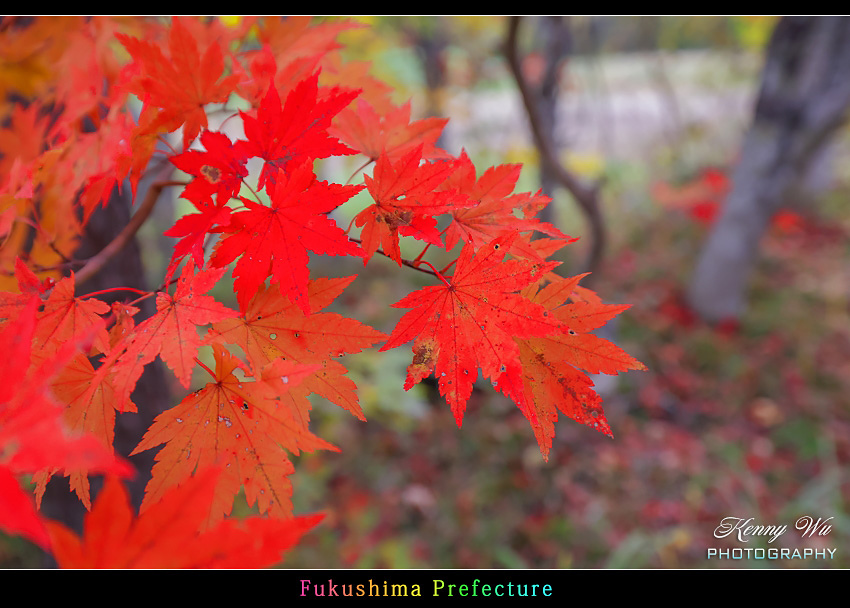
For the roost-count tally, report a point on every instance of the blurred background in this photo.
(704, 162)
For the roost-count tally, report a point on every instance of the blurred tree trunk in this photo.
(431, 42)
(804, 96)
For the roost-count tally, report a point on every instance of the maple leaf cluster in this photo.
(260, 211)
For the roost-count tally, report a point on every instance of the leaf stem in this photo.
(144, 297)
(209, 371)
(452, 263)
(359, 169)
(111, 289)
(438, 273)
(256, 196)
(416, 265)
(419, 257)
(168, 145)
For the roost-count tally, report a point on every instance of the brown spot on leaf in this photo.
(213, 174)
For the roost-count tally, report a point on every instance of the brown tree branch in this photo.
(586, 196)
(98, 261)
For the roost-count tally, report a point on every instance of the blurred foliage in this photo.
(746, 421)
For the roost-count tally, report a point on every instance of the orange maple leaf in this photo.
(555, 366)
(65, 316)
(272, 326)
(391, 134)
(90, 404)
(33, 432)
(171, 332)
(239, 423)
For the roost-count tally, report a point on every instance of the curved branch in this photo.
(98, 261)
(586, 196)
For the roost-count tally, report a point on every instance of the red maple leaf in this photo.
(17, 512)
(218, 169)
(239, 423)
(287, 135)
(170, 533)
(179, 85)
(494, 211)
(105, 157)
(194, 228)
(472, 321)
(33, 432)
(406, 201)
(274, 240)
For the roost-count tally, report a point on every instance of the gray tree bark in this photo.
(803, 100)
